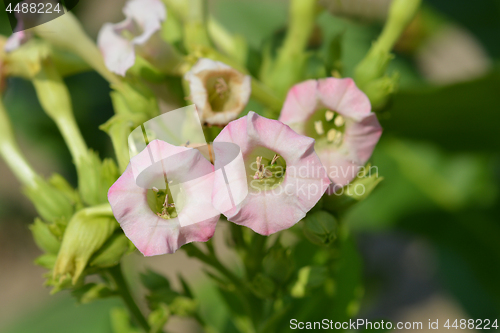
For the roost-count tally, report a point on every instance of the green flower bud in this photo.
(374, 65)
(91, 292)
(44, 238)
(320, 228)
(278, 263)
(86, 232)
(112, 251)
(356, 191)
(309, 277)
(378, 91)
(95, 178)
(50, 202)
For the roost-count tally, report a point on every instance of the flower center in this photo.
(326, 126)
(266, 169)
(221, 95)
(161, 203)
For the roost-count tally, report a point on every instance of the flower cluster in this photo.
(272, 148)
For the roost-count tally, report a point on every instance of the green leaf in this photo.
(154, 281)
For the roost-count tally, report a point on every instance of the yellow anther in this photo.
(318, 126)
(329, 115)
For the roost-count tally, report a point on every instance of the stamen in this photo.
(221, 86)
(259, 161)
(318, 126)
(330, 136)
(329, 115)
(156, 190)
(338, 138)
(267, 173)
(339, 121)
(275, 158)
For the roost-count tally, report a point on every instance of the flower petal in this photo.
(342, 96)
(143, 19)
(362, 129)
(151, 234)
(305, 180)
(239, 87)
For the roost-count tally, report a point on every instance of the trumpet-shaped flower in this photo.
(284, 175)
(147, 213)
(219, 91)
(338, 115)
(118, 42)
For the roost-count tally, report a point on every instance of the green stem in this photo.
(56, 102)
(195, 29)
(374, 65)
(12, 154)
(213, 262)
(123, 290)
(266, 96)
(288, 67)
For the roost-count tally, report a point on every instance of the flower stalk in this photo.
(12, 154)
(374, 65)
(123, 290)
(55, 100)
(288, 66)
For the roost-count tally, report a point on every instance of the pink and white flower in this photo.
(284, 175)
(219, 91)
(148, 215)
(338, 115)
(118, 42)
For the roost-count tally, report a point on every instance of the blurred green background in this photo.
(428, 236)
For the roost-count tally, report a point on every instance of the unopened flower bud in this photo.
(112, 251)
(374, 65)
(50, 202)
(44, 238)
(320, 228)
(85, 234)
(356, 191)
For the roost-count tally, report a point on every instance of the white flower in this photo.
(219, 91)
(117, 42)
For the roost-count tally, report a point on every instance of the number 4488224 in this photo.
(40, 8)
(478, 324)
